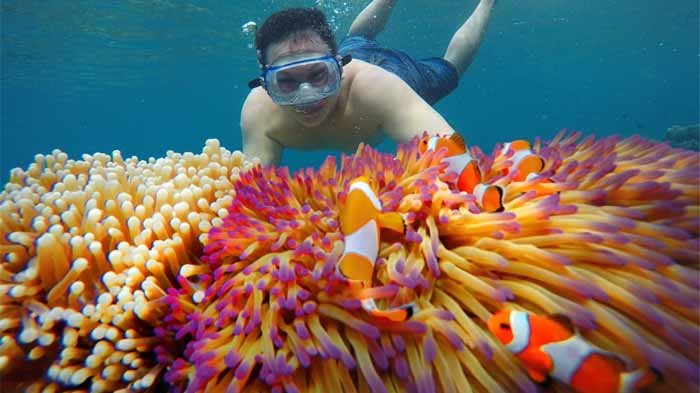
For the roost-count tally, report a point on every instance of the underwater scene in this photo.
(350, 196)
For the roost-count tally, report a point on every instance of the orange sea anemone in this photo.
(110, 282)
(611, 242)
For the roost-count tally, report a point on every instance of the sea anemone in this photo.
(87, 249)
(610, 239)
(206, 272)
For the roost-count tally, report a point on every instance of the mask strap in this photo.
(345, 59)
(253, 83)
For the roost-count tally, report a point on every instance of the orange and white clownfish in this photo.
(360, 222)
(524, 160)
(551, 346)
(490, 197)
(460, 161)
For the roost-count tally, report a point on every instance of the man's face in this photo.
(303, 45)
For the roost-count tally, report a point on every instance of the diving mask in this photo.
(304, 81)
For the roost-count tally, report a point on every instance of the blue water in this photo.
(145, 77)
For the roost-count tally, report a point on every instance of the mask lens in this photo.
(287, 85)
(319, 77)
(289, 80)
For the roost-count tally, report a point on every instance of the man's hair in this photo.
(283, 24)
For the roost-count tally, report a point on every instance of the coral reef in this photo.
(684, 137)
(88, 247)
(205, 272)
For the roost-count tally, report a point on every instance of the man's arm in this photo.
(256, 143)
(372, 19)
(466, 40)
(402, 113)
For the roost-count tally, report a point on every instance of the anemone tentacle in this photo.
(208, 272)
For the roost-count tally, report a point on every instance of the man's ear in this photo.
(343, 60)
(258, 53)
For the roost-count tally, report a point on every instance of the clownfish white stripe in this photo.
(532, 176)
(455, 163)
(479, 191)
(629, 380)
(365, 188)
(363, 241)
(519, 155)
(369, 305)
(568, 356)
(432, 142)
(458, 162)
(520, 326)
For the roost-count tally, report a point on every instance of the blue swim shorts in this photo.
(432, 78)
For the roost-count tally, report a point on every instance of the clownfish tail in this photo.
(650, 377)
(640, 379)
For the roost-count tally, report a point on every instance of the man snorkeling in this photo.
(314, 94)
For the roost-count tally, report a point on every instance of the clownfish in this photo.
(360, 222)
(525, 161)
(460, 161)
(491, 198)
(551, 346)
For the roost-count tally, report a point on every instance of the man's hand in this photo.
(256, 142)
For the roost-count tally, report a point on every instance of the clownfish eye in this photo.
(504, 326)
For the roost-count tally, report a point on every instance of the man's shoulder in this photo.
(369, 74)
(257, 100)
(257, 110)
(370, 84)
(370, 80)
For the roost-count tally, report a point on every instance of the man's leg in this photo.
(465, 42)
(372, 19)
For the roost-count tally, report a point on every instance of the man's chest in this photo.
(345, 134)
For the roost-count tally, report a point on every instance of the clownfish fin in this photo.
(470, 177)
(650, 376)
(356, 267)
(459, 141)
(536, 375)
(565, 322)
(613, 358)
(393, 221)
(520, 144)
(398, 314)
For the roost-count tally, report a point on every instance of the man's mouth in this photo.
(309, 109)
